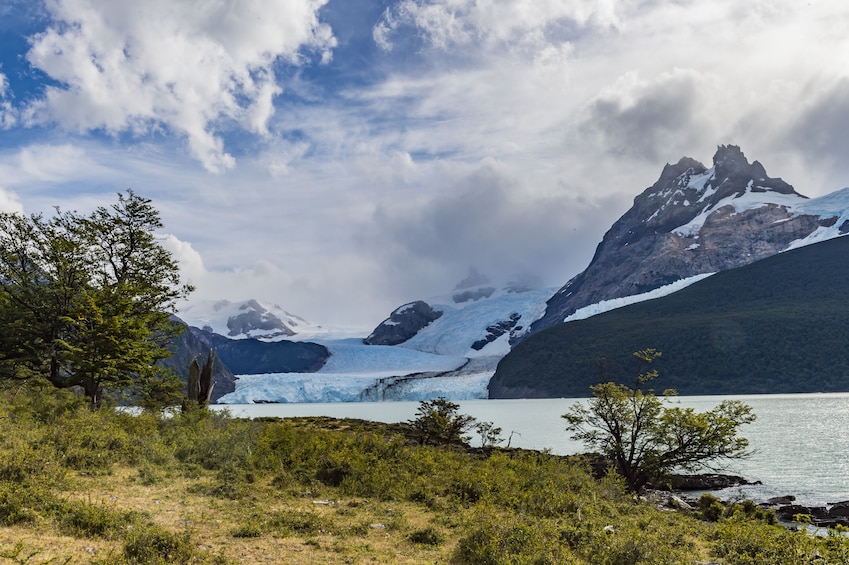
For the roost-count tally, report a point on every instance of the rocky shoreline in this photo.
(675, 495)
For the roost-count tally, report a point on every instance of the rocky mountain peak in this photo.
(692, 220)
(405, 322)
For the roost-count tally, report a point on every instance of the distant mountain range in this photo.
(692, 222)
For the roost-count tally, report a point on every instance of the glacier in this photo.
(437, 361)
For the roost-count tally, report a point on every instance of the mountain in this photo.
(473, 321)
(253, 356)
(775, 326)
(248, 319)
(695, 220)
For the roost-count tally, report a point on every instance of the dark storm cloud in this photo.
(821, 130)
(491, 222)
(644, 120)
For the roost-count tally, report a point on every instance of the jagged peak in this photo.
(729, 155)
(684, 166)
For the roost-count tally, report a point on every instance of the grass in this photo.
(204, 488)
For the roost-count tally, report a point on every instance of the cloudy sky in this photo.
(341, 157)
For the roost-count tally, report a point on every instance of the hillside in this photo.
(775, 326)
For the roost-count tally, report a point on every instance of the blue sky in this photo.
(341, 157)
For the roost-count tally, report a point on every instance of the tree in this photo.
(645, 439)
(438, 422)
(490, 434)
(86, 299)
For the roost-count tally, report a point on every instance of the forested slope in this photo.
(776, 326)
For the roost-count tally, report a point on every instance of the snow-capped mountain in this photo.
(696, 220)
(250, 319)
(479, 321)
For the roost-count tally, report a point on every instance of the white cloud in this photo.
(191, 66)
(8, 115)
(191, 264)
(43, 163)
(9, 202)
(452, 23)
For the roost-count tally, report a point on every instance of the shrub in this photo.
(84, 519)
(427, 536)
(152, 545)
(512, 540)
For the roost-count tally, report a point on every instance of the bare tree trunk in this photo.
(200, 380)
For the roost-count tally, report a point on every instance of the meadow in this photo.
(109, 487)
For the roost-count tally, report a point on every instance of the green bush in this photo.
(22, 503)
(498, 540)
(710, 508)
(427, 536)
(154, 546)
(86, 519)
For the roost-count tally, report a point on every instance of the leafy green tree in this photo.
(438, 422)
(645, 439)
(490, 434)
(86, 299)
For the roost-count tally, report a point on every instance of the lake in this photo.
(800, 442)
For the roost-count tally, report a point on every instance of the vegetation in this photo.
(110, 488)
(84, 299)
(775, 326)
(645, 440)
(439, 422)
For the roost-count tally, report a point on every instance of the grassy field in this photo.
(112, 488)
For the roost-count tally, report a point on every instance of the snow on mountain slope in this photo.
(694, 220)
(750, 200)
(352, 357)
(464, 324)
(607, 305)
(255, 319)
(834, 205)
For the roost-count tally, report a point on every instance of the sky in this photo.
(343, 157)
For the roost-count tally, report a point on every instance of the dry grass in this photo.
(360, 530)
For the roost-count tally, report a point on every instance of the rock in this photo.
(705, 481)
(780, 500)
(679, 503)
(405, 322)
(252, 356)
(497, 330)
(839, 509)
(788, 511)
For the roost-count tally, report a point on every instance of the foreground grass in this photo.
(112, 489)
